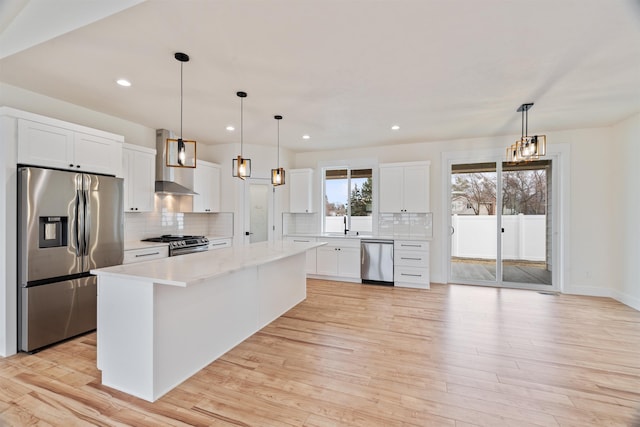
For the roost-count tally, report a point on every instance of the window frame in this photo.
(349, 166)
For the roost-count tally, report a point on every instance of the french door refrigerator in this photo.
(68, 223)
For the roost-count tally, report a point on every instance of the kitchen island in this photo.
(161, 321)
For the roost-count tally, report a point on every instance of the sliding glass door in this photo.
(501, 227)
(526, 223)
(474, 252)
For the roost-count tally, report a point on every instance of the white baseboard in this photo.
(591, 291)
(626, 299)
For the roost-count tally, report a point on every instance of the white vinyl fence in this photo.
(524, 237)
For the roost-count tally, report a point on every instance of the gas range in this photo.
(182, 245)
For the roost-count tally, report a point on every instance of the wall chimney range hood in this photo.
(170, 180)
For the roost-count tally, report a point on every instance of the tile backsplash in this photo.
(138, 226)
(414, 225)
(300, 223)
(411, 225)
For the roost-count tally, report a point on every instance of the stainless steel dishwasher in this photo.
(377, 262)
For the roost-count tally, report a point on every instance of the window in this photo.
(348, 200)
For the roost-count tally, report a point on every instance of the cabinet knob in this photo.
(70, 165)
(78, 166)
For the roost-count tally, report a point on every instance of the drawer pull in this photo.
(410, 246)
(217, 244)
(303, 241)
(149, 254)
(412, 275)
(413, 259)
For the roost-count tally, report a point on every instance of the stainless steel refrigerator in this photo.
(68, 223)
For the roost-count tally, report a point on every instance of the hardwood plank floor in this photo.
(362, 355)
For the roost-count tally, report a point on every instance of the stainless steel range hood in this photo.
(169, 180)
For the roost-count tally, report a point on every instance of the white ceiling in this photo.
(344, 71)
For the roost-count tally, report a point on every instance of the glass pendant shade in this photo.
(241, 167)
(277, 176)
(180, 153)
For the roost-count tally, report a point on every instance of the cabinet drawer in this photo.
(347, 242)
(411, 258)
(410, 245)
(297, 239)
(411, 275)
(147, 254)
(219, 244)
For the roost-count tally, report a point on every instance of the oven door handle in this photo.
(184, 251)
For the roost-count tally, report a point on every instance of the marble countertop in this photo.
(187, 270)
(361, 236)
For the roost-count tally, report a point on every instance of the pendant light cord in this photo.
(241, 125)
(181, 66)
(278, 144)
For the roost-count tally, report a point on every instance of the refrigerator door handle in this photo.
(78, 221)
(86, 235)
(87, 216)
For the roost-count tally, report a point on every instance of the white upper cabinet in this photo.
(206, 182)
(138, 165)
(53, 143)
(404, 187)
(300, 190)
(96, 154)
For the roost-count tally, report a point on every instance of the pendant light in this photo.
(240, 166)
(277, 175)
(527, 148)
(181, 153)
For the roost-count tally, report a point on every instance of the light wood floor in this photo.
(373, 356)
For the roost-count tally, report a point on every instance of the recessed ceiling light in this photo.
(395, 127)
(305, 137)
(123, 82)
(230, 128)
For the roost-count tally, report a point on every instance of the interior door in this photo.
(258, 215)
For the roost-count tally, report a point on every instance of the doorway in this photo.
(501, 224)
(258, 212)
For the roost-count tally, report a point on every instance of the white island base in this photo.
(155, 332)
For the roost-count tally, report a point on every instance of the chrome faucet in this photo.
(345, 225)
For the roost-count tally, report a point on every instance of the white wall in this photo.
(233, 190)
(626, 204)
(591, 261)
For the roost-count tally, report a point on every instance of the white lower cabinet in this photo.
(411, 264)
(311, 253)
(339, 258)
(219, 243)
(145, 254)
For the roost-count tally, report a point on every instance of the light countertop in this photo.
(360, 236)
(187, 270)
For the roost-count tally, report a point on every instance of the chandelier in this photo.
(527, 148)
